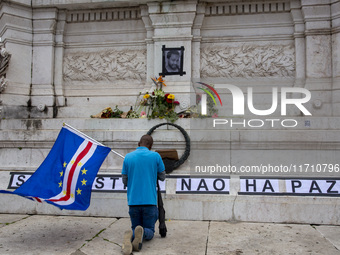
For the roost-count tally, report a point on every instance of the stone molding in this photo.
(248, 61)
(104, 15)
(317, 18)
(106, 66)
(335, 17)
(246, 8)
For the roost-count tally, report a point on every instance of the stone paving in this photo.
(69, 235)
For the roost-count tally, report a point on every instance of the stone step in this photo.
(221, 123)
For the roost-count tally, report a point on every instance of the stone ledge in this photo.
(317, 123)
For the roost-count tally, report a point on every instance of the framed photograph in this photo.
(172, 61)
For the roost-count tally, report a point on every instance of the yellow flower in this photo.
(146, 96)
(171, 96)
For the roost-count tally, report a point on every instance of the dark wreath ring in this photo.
(171, 164)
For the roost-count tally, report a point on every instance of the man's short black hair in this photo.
(146, 141)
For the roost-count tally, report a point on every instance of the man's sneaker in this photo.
(127, 245)
(138, 241)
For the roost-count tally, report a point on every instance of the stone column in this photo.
(58, 61)
(316, 15)
(43, 94)
(172, 23)
(149, 43)
(196, 42)
(16, 35)
(318, 39)
(335, 13)
(299, 38)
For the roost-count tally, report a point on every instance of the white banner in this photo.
(203, 185)
(313, 186)
(251, 185)
(102, 182)
(217, 185)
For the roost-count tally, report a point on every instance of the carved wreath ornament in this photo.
(248, 61)
(110, 66)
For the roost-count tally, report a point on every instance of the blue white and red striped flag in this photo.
(66, 176)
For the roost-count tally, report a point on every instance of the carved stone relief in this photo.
(248, 61)
(106, 66)
(4, 62)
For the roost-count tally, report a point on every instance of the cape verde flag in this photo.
(66, 176)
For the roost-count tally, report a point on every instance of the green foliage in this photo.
(158, 104)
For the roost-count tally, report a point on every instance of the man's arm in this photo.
(125, 180)
(161, 176)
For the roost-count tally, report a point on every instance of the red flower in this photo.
(170, 101)
(176, 103)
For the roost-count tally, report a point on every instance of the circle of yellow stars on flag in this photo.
(83, 182)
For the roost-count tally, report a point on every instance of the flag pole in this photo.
(67, 125)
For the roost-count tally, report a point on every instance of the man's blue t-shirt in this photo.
(141, 166)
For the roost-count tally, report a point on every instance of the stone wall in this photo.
(88, 56)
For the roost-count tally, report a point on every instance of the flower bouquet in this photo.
(109, 113)
(158, 104)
